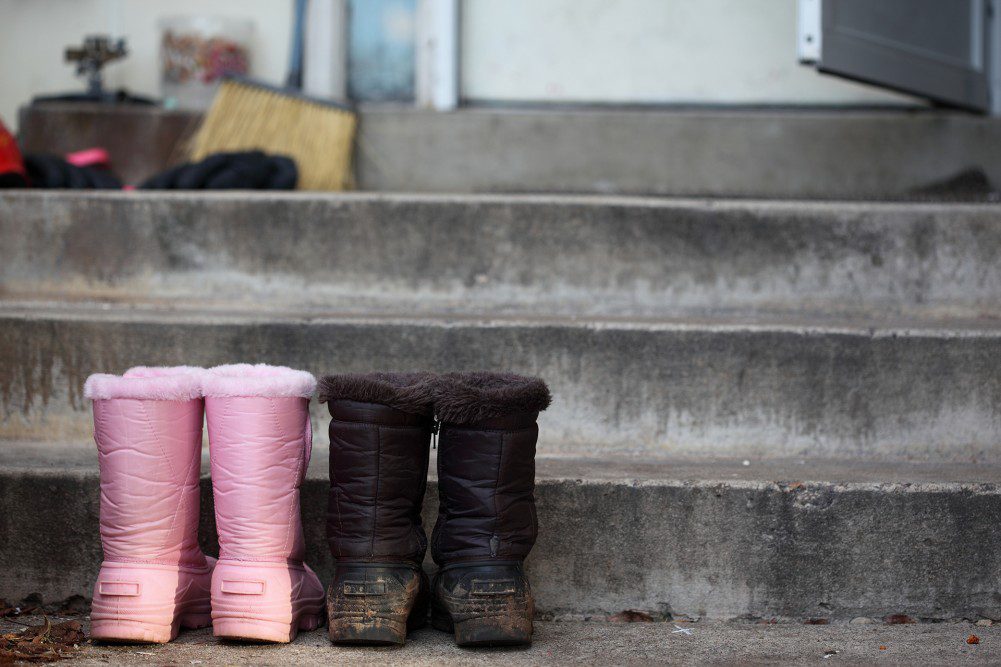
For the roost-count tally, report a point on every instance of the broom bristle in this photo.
(246, 117)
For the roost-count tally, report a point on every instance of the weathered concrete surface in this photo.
(650, 386)
(791, 539)
(577, 256)
(592, 644)
(700, 152)
(735, 152)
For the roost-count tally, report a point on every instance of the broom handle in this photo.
(294, 79)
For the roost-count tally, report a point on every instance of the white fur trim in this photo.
(181, 387)
(257, 380)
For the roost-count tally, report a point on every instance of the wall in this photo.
(631, 51)
(643, 51)
(34, 33)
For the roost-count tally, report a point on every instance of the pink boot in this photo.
(259, 443)
(154, 578)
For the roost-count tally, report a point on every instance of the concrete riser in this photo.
(722, 152)
(704, 549)
(713, 153)
(574, 256)
(701, 392)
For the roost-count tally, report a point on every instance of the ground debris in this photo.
(42, 643)
(631, 616)
(817, 621)
(973, 639)
(899, 619)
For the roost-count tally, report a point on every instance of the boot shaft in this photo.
(149, 453)
(258, 452)
(380, 436)
(486, 490)
(486, 466)
(260, 442)
(378, 476)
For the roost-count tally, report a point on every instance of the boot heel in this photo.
(483, 604)
(262, 601)
(373, 632)
(503, 630)
(139, 602)
(376, 603)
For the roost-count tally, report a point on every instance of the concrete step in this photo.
(571, 256)
(562, 643)
(718, 388)
(791, 153)
(795, 539)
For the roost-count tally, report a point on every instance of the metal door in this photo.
(938, 49)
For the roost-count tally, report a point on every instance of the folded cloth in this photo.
(250, 170)
(52, 171)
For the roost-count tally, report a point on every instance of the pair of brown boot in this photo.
(381, 430)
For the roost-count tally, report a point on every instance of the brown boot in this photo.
(486, 516)
(380, 434)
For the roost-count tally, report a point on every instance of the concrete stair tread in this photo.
(81, 458)
(389, 311)
(561, 643)
(555, 255)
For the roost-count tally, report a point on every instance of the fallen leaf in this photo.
(42, 643)
(973, 639)
(899, 619)
(882, 648)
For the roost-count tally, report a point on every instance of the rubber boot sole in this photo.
(501, 630)
(368, 606)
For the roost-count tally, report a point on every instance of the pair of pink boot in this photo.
(155, 579)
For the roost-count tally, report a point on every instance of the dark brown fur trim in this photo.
(465, 398)
(409, 392)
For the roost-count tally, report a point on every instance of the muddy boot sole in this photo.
(483, 604)
(506, 630)
(376, 605)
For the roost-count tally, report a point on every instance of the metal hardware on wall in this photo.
(809, 28)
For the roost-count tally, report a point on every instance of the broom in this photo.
(317, 134)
